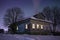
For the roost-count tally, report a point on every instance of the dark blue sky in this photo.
(27, 6)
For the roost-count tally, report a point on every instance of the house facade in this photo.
(34, 25)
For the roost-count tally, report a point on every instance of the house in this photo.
(34, 25)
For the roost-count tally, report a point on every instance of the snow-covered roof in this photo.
(42, 20)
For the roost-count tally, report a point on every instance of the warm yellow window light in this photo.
(26, 26)
(33, 26)
(37, 26)
(41, 26)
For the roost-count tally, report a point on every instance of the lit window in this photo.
(41, 26)
(17, 27)
(26, 26)
(37, 26)
(33, 26)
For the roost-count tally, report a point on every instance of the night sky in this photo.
(27, 6)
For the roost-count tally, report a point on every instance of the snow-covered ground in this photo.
(27, 37)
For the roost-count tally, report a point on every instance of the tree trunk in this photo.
(54, 25)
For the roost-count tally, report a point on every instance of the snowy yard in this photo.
(27, 37)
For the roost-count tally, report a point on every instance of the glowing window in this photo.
(41, 26)
(17, 27)
(26, 26)
(33, 26)
(37, 26)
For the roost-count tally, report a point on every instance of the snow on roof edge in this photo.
(42, 20)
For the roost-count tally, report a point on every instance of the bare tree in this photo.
(12, 15)
(52, 14)
(47, 12)
(56, 16)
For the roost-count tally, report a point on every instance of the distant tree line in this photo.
(1, 30)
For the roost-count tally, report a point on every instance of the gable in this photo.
(39, 16)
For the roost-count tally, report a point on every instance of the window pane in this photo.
(26, 26)
(41, 26)
(37, 26)
(33, 26)
(17, 27)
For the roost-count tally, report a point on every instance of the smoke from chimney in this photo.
(36, 6)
